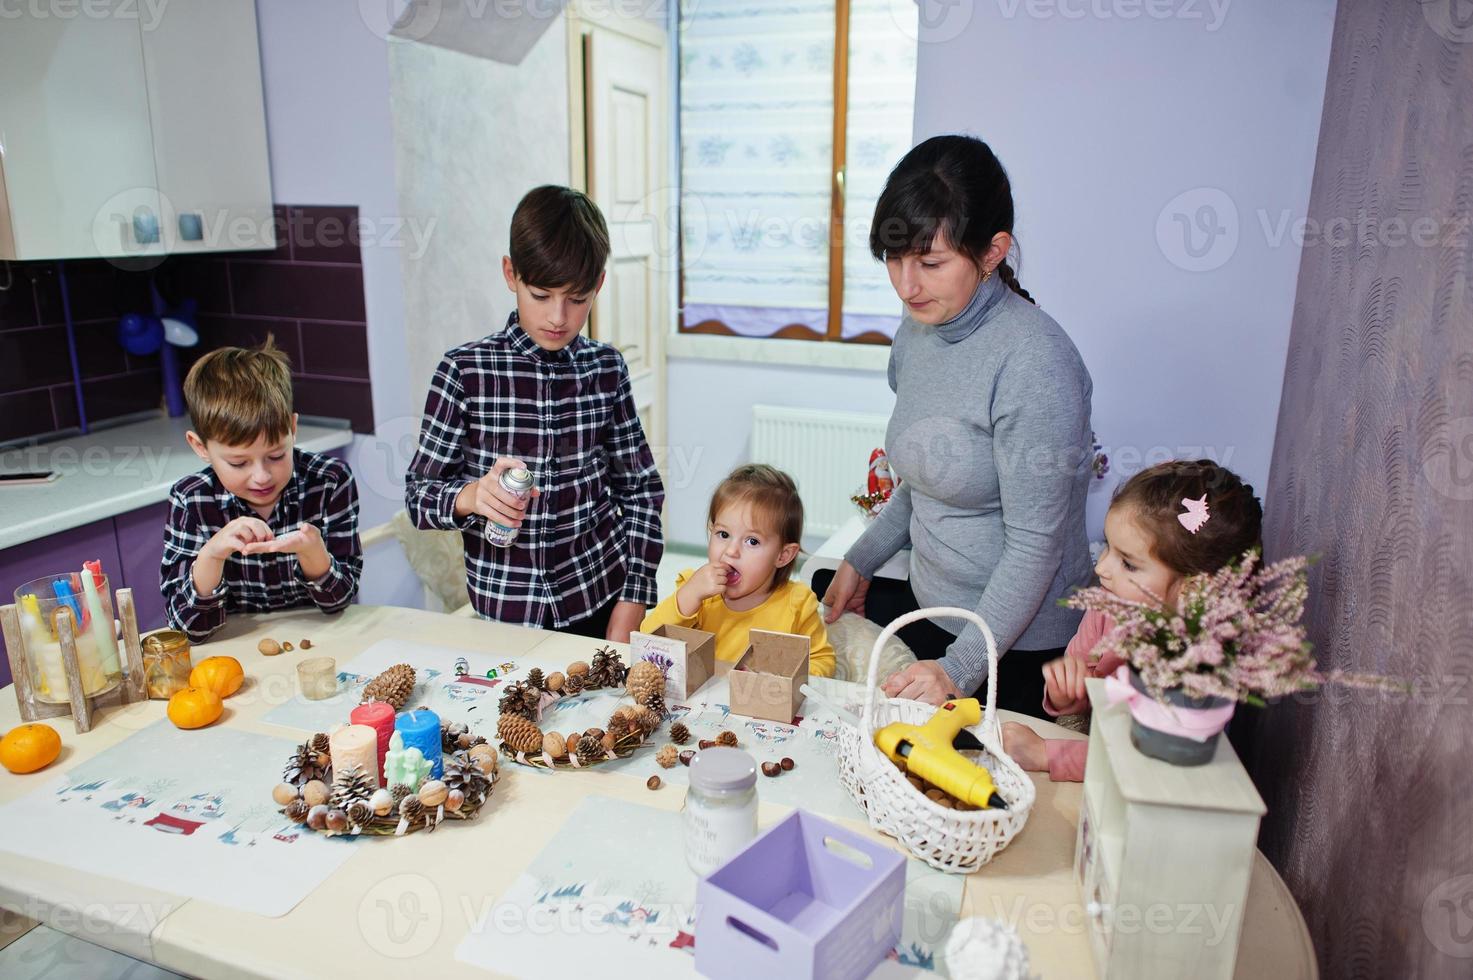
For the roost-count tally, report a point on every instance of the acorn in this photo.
(554, 745)
(287, 647)
(268, 647)
(433, 793)
(706, 743)
(305, 644)
(337, 821)
(284, 793)
(454, 800)
(653, 782)
(686, 756)
(554, 681)
(610, 743)
(382, 802)
(771, 769)
(317, 817)
(571, 739)
(787, 763)
(315, 792)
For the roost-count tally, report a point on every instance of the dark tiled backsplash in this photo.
(308, 293)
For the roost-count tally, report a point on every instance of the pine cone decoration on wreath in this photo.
(519, 699)
(574, 684)
(393, 685)
(461, 773)
(320, 743)
(359, 813)
(590, 749)
(352, 785)
(621, 726)
(451, 733)
(535, 680)
(656, 703)
(410, 808)
(646, 719)
(644, 680)
(679, 734)
(519, 733)
(303, 767)
(607, 669)
(399, 791)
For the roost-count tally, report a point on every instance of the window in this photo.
(784, 149)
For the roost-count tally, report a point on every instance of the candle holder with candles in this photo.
(67, 653)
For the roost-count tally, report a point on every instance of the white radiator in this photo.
(827, 453)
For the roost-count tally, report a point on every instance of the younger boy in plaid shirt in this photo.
(540, 396)
(266, 526)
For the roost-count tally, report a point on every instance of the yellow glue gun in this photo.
(929, 751)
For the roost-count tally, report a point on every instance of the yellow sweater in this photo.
(792, 608)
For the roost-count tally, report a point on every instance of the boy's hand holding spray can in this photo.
(517, 483)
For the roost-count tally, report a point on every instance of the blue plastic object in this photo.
(140, 335)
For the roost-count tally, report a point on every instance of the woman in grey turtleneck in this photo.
(990, 436)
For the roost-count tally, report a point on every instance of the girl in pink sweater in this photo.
(1156, 536)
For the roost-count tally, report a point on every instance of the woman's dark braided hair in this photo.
(948, 185)
(1234, 523)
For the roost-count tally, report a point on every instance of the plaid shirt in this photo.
(321, 492)
(594, 533)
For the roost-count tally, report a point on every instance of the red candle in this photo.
(379, 716)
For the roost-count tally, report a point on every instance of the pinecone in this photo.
(320, 743)
(296, 810)
(399, 792)
(393, 685)
(621, 727)
(450, 735)
(607, 669)
(359, 813)
(574, 684)
(303, 767)
(667, 756)
(727, 739)
(463, 774)
(656, 703)
(535, 680)
(352, 785)
(520, 734)
(410, 808)
(646, 719)
(644, 680)
(590, 749)
(679, 734)
(519, 699)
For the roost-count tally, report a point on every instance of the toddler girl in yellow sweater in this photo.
(754, 528)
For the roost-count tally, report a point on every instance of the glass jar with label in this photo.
(720, 807)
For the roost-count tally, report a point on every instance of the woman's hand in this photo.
(1025, 746)
(924, 680)
(846, 593)
(1063, 685)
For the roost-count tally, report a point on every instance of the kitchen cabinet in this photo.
(136, 134)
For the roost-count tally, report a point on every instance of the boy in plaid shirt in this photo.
(266, 526)
(540, 396)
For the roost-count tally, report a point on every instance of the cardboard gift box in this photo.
(767, 680)
(808, 898)
(687, 656)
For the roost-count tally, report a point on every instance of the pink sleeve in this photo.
(1066, 759)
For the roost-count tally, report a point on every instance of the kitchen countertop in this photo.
(111, 471)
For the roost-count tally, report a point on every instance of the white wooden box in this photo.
(1163, 855)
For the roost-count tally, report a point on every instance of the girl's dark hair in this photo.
(949, 185)
(773, 496)
(558, 239)
(1234, 523)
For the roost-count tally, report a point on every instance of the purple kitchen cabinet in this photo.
(141, 544)
(62, 552)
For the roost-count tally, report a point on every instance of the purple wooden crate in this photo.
(792, 905)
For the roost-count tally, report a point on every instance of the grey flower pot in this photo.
(1175, 749)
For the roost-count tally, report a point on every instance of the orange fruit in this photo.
(195, 707)
(27, 748)
(219, 674)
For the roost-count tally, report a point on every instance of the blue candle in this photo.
(421, 729)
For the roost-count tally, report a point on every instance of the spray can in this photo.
(517, 482)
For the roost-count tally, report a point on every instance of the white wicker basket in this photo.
(958, 841)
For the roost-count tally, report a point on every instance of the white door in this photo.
(625, 142)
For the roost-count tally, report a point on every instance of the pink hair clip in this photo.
(1196, 513)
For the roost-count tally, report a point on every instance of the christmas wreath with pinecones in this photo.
(523, 702)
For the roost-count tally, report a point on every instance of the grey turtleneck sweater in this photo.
(991, 438)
